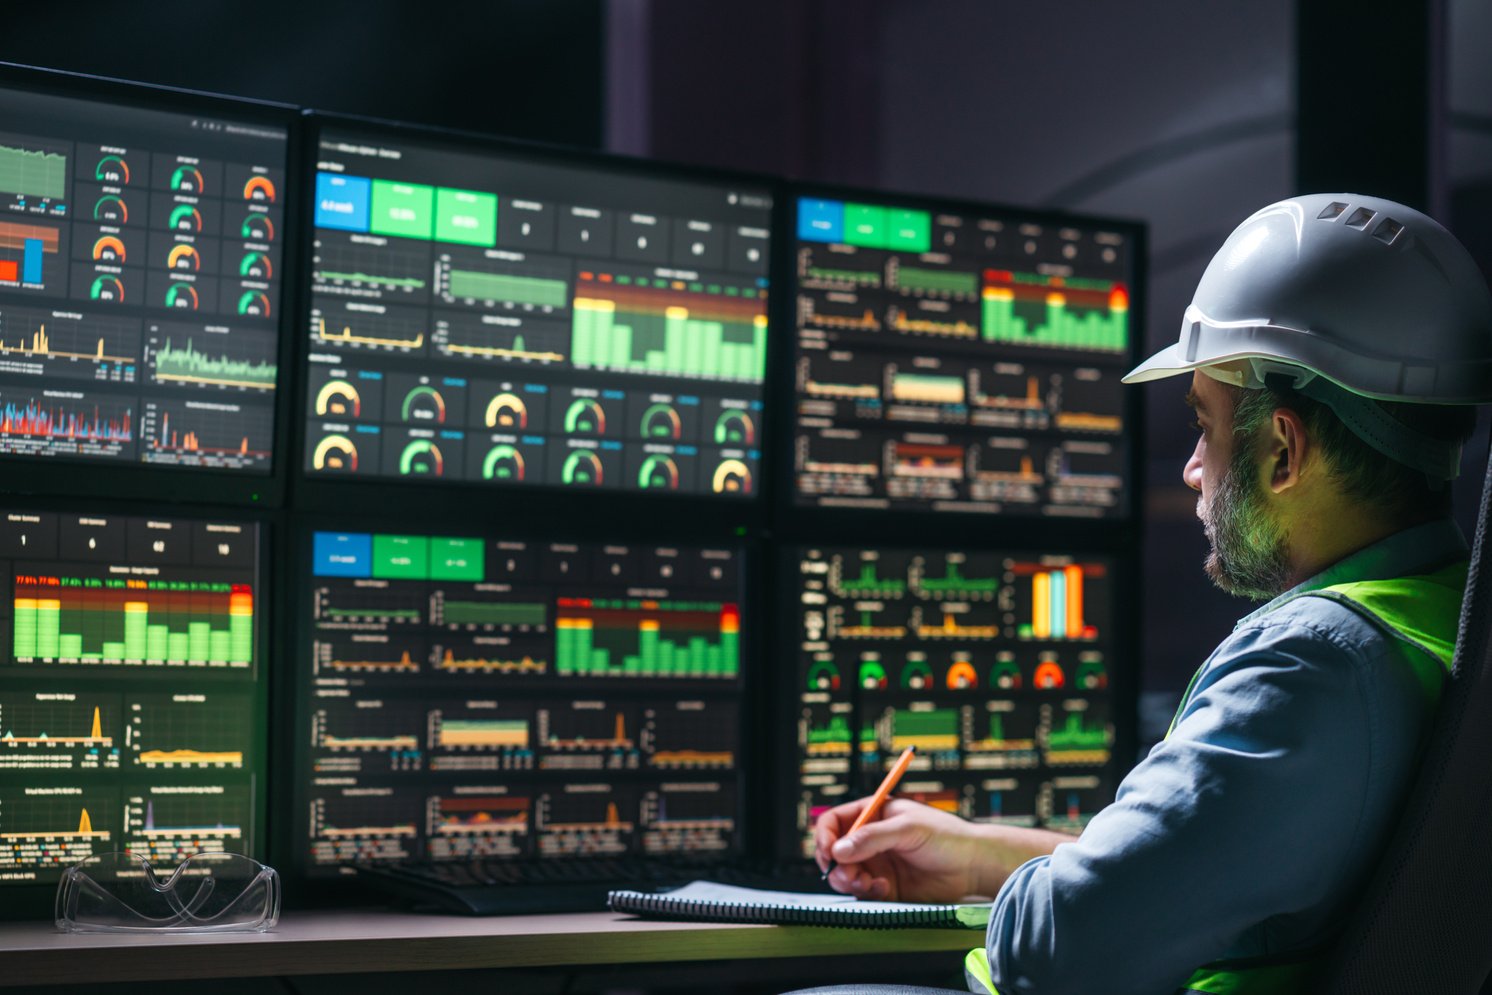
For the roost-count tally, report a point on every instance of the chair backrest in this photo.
(1424, 923)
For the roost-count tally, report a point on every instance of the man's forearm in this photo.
(1009, 848)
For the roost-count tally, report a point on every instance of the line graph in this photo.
(59, 731)
(344, 267)
(182, 354)
(381, 330)
(67, 345)
(190, 731)
(502, 338)
(171, 822)
(688, 818)
(49, 827)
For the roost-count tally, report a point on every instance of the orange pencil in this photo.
(879, 798)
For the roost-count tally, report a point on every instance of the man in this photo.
(1328, 343)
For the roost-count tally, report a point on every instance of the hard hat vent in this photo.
(1388, 229)
(1360, 218)
(1331, 211)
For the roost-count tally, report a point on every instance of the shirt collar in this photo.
(1416, 550)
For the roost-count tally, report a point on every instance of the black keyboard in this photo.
(491, 887)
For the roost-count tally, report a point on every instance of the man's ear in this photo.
(1290, 445)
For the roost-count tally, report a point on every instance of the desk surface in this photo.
(371, 940)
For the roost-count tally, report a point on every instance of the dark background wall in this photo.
(530, 69)
(1187, 116)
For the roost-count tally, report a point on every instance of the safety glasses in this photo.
(207, 893)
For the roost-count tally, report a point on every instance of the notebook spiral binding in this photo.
(665, 905)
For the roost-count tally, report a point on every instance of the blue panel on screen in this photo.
(343, 201)
(342, 554)
(820, 220)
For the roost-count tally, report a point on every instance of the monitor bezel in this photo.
(45, 475)
(807, 523)
(557, 505)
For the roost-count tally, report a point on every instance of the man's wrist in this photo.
(1008, 847)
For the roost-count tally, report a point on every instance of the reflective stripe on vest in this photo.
(1274, 979)
(1255, 979)
(1422, 612)
(976, 973)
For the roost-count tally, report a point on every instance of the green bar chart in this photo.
(646, 329)
(1031, 310)
(89, 620)
(624, 638)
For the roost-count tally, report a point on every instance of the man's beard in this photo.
(1250, 554)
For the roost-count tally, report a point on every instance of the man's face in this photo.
(1250, 549)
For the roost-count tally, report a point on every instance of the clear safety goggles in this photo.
(207, 893)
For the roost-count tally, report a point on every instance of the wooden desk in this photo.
(363, 941)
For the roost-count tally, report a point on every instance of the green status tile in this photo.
(405, 209)
(865, 225)
(456, 559)
(465, 216)
(910, 231)
(401, 557)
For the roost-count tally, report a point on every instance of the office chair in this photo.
(1424, 921)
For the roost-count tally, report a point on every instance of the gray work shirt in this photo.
(1249, 831)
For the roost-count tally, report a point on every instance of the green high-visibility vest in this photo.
(1423, 612)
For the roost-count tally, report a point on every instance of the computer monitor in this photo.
(142, 261)
(496, 316)
(464, 695)
(961, 357)
(132, 705)
(999, 665)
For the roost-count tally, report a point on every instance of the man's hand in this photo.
(916, 853)
(912, 853)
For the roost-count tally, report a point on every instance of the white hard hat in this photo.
(1361, 292)
(1373, 295)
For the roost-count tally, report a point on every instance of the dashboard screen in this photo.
(509, 321)
(995, 665)
(467, 696)
(959, 362)
(140, 283)
(131, 710)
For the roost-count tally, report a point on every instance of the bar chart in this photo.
(630, 638)
(1072, 313)
(106, 620)
(639, 328)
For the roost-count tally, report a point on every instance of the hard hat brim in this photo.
(1169, 362)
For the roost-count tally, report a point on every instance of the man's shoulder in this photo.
(1311, 660)
(1322, 630)
(1311, 616)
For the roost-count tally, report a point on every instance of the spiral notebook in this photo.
(713, 902)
